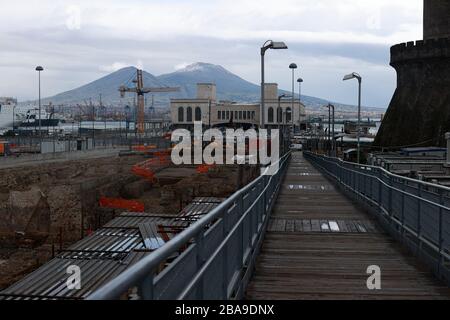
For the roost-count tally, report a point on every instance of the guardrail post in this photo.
(402, 233)
(200, 257)
(241, 233)
(441, 237)
(380, 191)
(225, 231)
(146, 289)
(419, 218)
(390, 213)
(265, 196)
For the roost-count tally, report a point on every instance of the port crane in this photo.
(140, 90)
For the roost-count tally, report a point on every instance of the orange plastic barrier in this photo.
(204, 168)
(148, 168)
(143, 148)
(113, 203)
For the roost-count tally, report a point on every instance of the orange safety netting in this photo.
(143, 148)
(148, 168)
(204, 168)
(117, 203)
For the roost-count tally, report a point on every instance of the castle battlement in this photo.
(420, 49)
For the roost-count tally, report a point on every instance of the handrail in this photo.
(389, 186)
(143, 270)
(420, 222)
(428, 184)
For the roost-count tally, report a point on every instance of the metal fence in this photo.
(214, 258)
(414, 212)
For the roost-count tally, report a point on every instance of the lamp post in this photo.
(282, 116)
(351, 76)
(14, 115)
(331, 122)
(269, 44)
(293, 66)
(300, 81)
(39, 69)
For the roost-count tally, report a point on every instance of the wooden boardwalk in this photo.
(319, 245)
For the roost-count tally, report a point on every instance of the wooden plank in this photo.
(290, 225)
(315, 226)
(298, 225)
(310, 264)
(307, 226)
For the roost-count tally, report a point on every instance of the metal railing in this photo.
(214, 258)
(416, 213)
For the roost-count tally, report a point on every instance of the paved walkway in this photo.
(319, 245)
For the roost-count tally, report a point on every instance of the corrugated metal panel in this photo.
(106, 253)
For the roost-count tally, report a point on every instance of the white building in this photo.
(215, 113)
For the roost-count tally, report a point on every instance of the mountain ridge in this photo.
(230, 87)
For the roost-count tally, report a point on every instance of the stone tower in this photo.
(419, 112)
(436, 22)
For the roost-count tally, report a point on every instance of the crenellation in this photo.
(420, 49)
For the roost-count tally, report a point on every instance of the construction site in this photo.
(97, 201)
(46, 208)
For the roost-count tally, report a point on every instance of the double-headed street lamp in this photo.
(266, 46)
(351, 76)
(39, 69)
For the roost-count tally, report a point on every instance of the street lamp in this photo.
(269, 44)
(293, 66)
(39, 69)
(351, 76)
(14, 116)
(331, 119)
(282, 116)
(300, 81)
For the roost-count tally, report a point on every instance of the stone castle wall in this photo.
(420, 109)
(436, 19)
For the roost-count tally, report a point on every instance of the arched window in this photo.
(279, 115)
(189, 114)
(288, 115)
(198, 114)
(180, 114)
(270, 118)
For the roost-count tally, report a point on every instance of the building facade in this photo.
(213, 113)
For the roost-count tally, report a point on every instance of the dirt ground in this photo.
(46, 208)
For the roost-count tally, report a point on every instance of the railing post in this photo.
(380, 191)
(265, 196)
(200, 257)
(441, 237)
(146, 289)
(390, 198)
(241, 233)
(419, 218)
(225, 231)
(402, 233)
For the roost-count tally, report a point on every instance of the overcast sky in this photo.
(79, 41)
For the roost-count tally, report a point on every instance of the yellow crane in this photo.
(140, 90)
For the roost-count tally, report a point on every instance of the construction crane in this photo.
(140, 90)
